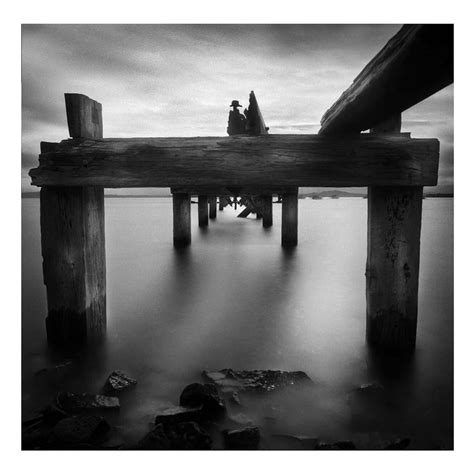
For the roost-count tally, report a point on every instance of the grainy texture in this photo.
(289, 220)
(73, 249)
(267, 210)
(233, 162)
(181, 220)
(203, 211)
(84, 116)
(222, 202)
(414, 64)
(212, 207)
(393, 254)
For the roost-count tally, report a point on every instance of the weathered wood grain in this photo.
(84, 116)
(272, 160)
(181, 219)
(393, 255)
(414, 64)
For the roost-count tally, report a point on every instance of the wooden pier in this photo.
(73, 173)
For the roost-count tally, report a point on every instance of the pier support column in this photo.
(289, 219)
(222, 202)
(203, 211)
(73, 244)
(181, 219)
(267, 210)
(212, 207)
(393, 255)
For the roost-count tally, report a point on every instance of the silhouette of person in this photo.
(237, 121)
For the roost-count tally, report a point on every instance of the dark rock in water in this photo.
(118, 381)
(56, 370)
(245, 438)
(338, 445)
(72, 403)
(178, 415)
(205, 395)
(229, 380)
(155, 439)
(240, 419)
(400, 443)
(36, 437)
(79, 429)
(369, 388)
(188, 435)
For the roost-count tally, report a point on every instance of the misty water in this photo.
(236, 299)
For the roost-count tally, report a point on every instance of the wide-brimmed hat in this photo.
(235, 103)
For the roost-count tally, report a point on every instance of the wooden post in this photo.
(181, 219)
(267, 210)
(212, 207)
(393, 255)
(203, 211)
(222, 202)
(289, 219)
(73, 244)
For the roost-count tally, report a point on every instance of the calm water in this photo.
(236, 299)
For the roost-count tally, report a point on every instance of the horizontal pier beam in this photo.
(414, 64)
(272, 160)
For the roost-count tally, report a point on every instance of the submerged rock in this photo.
(338, 445)
(245, 438)
(240, 419)
(155, 439)
(118, 381)
(188, 435)
(79, 429)
(205, 396)
(72, 403)
(400, 443)
(178, 415)
(229, 380)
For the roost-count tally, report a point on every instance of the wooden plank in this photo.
(245, 213)
(203, 211)
(84, 116)
(414, 64)
(212, 207)
(73, 249)
(226, 192)
(272, 160)
(289, 220)
(181, 220)
(393, 254)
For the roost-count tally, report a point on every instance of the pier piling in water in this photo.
(289, 219)
(181, 219)
(203, 211)
(267, 210)
(212, 207)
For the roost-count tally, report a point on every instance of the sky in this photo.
(179, 80)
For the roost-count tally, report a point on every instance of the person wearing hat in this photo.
(237, 121)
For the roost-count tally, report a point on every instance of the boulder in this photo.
(84, 402)
(118, 381)
(245, 438)
(155, 439)
(400, 443)
(205, 396)
(338, 445)
(229, 380)
(178, 415)
(79, 430)
(188, 435)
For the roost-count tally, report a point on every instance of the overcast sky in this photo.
(178, 80)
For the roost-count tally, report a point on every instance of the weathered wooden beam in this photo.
(181, 220)
(203, 211)
(73, 244)
(245, 213)
(289, 220)
(233, 162)
(227, 192)
(212, 207)
(414, 64)
(394, 223)
(267, 210)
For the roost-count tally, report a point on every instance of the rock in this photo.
(400, 443)
(368, 388)
(188, 435)
(338, 445)
(118, 381)
(245, 438)
(155, 439)
(56, 370)
(229, 380)
(79, 429)
(205, 395)
(67, 403)
(178, 415)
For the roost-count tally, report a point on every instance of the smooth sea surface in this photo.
(236, 299)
